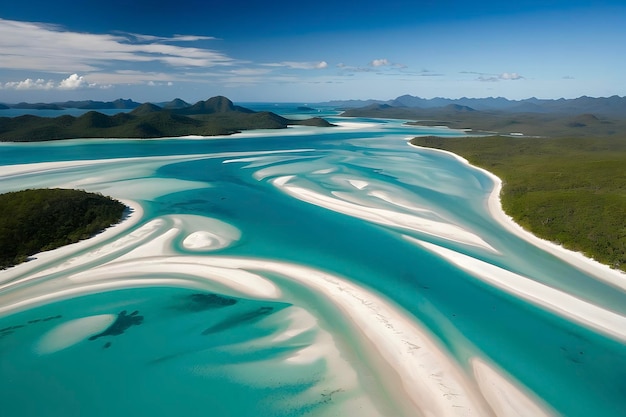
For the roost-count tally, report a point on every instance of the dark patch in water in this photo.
(121, 324)
(201, 302)
(11, 329)
(239, 319)
(107, 345)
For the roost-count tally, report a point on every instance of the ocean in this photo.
(262, 270)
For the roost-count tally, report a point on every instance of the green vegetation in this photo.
(571, 191)
(492, 122)
(32, 221)
(216, 116)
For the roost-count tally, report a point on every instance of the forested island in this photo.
(37, 220)
(215, 116)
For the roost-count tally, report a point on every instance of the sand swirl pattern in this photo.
(301, 273)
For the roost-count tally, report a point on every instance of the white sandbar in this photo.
(72, 332)
(383, 216)
(505, 398)
(431, 380)
(559, 302)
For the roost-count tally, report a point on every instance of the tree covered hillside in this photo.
(32, 221)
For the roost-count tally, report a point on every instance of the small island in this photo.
(212, 117)
(37, 220)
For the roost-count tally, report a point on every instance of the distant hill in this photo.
(218, 104)
(121, 104)
(37, 106)
(613, 106)
(215, 116)
(146, 108)
(458, 116)
(177, 103)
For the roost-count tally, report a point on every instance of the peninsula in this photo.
(215, 116)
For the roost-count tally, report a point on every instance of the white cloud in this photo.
(510, 76)
(73, 82)
(156, 84)
(134, 77)
(380, 63)
(249, 71)
(30, 84)
(33, 46)
(505, 76)
(176, 38)
(300, 65)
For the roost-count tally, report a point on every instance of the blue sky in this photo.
(310, 51)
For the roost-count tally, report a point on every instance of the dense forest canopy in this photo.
(36, 220)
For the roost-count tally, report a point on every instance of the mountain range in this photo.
(457, 116)
(215, 116)
(614, 106)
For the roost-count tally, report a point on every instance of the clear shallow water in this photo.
(274, 211)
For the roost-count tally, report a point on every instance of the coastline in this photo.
(577, 259)
(11, 276)
(412, 361)
(420, 375)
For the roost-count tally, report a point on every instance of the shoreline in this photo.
(422, 376)
(12, 275)
(577, 259)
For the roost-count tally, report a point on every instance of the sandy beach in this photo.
(494, 204)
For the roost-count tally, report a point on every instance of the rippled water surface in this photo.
(307, 271)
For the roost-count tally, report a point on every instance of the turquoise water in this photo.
(345, 201)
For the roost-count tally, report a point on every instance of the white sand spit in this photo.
(431, 380)
(354, 125)
(358, 184)
(72, 332)
(559, 302)
(383, 216)
(398, 201)
(504, 397)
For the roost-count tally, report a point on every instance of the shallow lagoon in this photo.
(269, 219)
